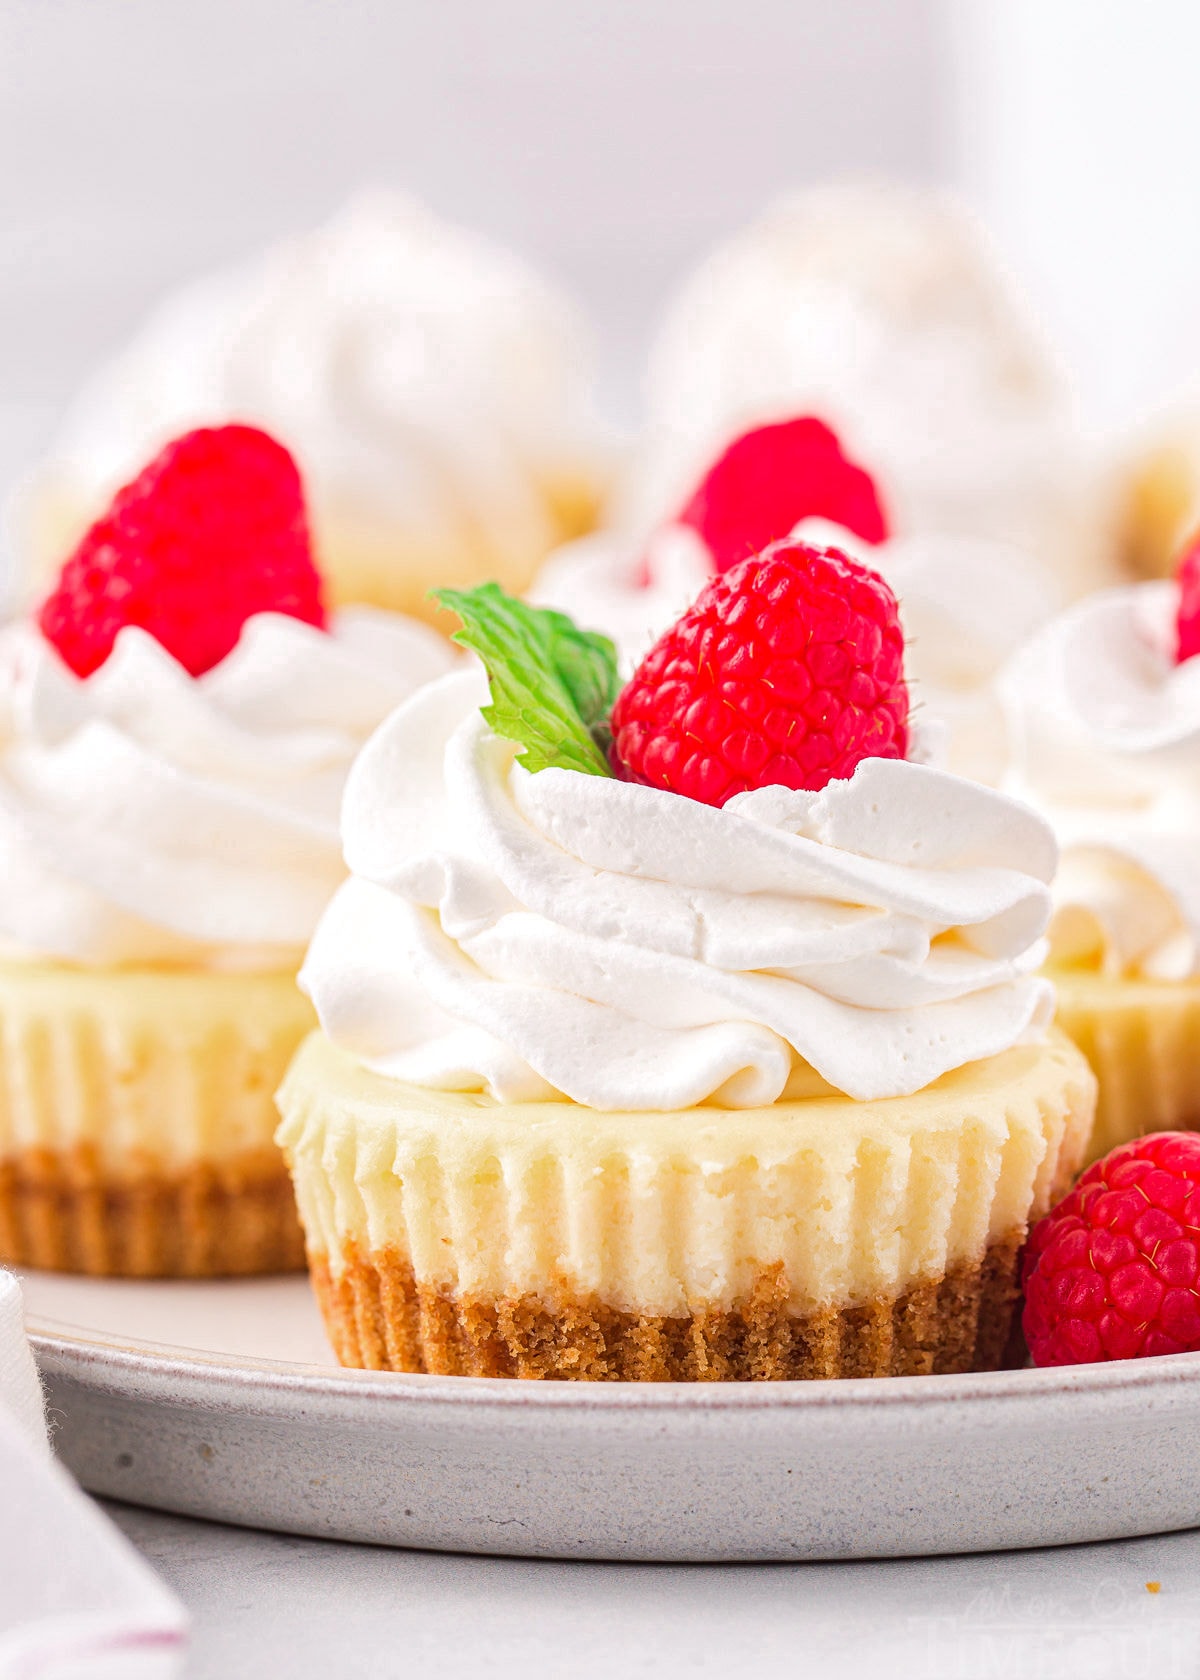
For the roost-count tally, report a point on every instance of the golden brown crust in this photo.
(379, 1318)
(60, 1212)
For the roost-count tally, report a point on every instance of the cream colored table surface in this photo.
(272, 1605)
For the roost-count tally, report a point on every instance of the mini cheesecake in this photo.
(812, 1238)
(733, 1066)
(176, 726)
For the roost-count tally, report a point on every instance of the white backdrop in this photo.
(1074, 126)
(612, 140)
(609, 139)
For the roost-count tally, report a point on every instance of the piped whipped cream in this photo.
(1106, 741)
(881, 309)
(422, 377)
(966, 606)
(149, 816)
(534, 936)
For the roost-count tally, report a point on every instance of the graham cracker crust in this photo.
(379, 1318)
(59, 1212)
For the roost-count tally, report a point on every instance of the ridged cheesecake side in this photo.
(817, 1237)
(1142, 1038)
(136, 1120)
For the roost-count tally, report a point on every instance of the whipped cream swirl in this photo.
(148, 816)
(556, 934)
(1106, 741)
(966, 606)
(422, 376)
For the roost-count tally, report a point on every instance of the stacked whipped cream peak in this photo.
(178, 719)
(1104, 711)
(883, 309)
(729, 880)
(966, 604)
(427, 381)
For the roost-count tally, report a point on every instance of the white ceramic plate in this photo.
(222, 1400)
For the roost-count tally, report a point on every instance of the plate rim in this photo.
(150, 1369)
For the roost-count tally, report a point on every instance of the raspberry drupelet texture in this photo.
(1113, 1272)
(213, 531)
(786, 670)
(771, 478)
(1187, 622)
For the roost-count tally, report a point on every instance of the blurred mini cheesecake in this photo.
(1104, 722)
(882, 309)
(432, 386)
(177, 722)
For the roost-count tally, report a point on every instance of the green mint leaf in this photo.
(553, 685)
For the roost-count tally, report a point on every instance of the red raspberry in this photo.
(1113, 1272)
(212, 531)
(1187, 622)
(771, 478)
(787, 669)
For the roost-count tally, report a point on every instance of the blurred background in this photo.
(611, 142)
(145, 140)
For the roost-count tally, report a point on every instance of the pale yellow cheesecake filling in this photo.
(1142, 1038)
(398, 566)
(667, 1213)
(142, 1070)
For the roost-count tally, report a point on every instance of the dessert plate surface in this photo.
(222, 1400)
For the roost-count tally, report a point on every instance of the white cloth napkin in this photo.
(76, 1601)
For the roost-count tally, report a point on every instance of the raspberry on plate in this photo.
(213, 531)
(1187, 622)
(787, 669)
(1113, 1272)
(771, 478)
